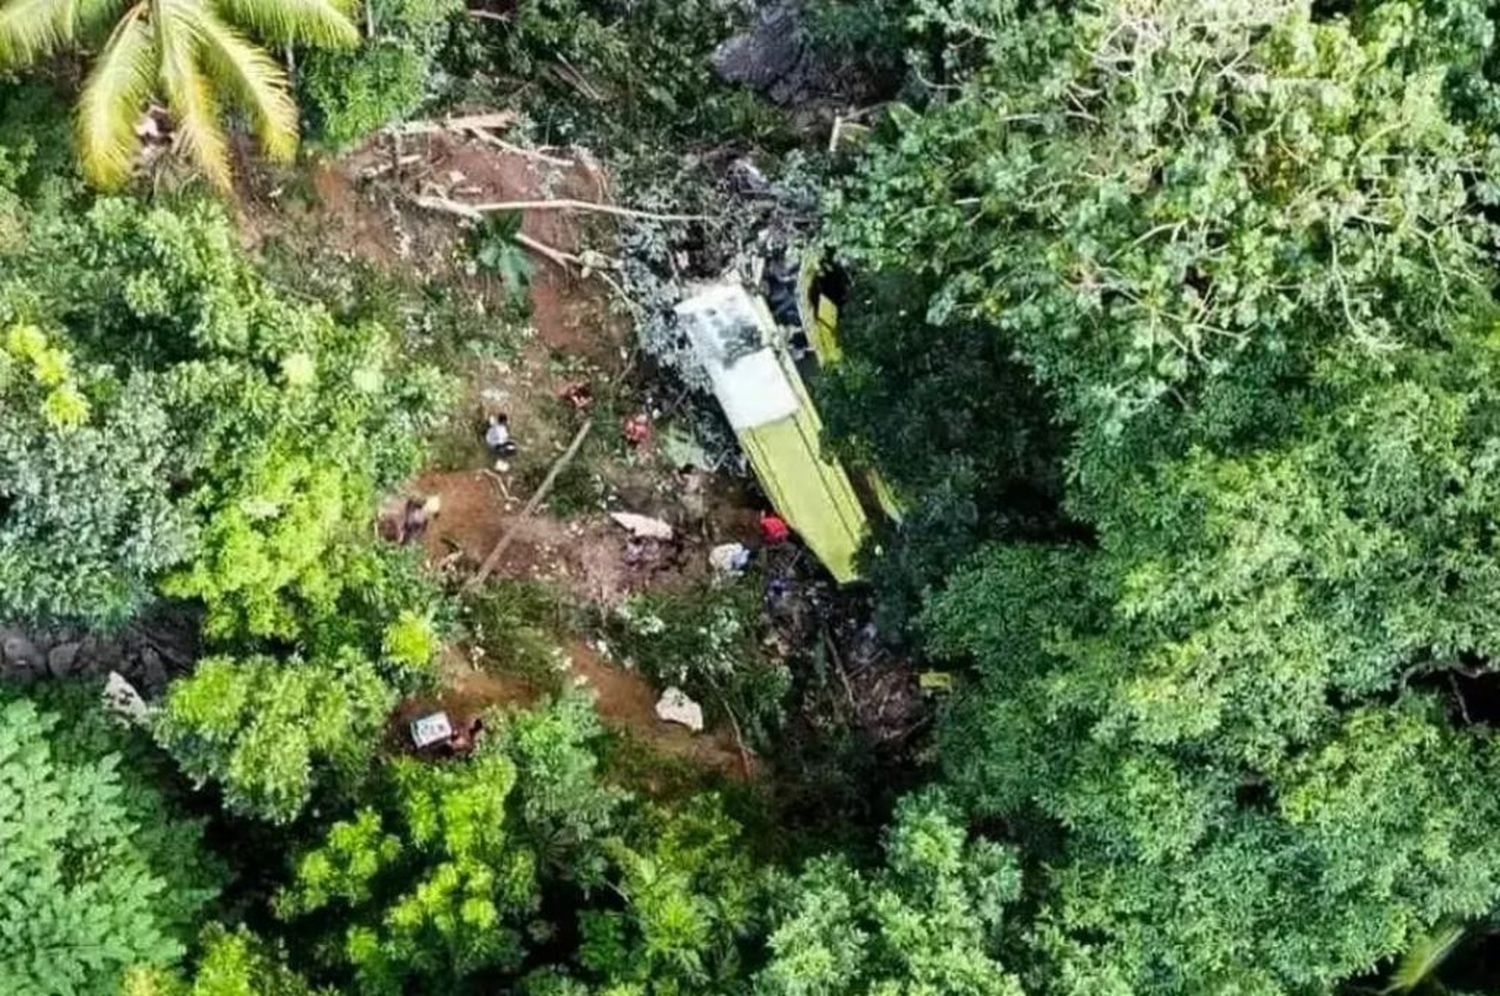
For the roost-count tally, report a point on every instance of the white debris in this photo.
(643, 526)
(675, 707)
(433, 729)
(729, 558)
(121, 698)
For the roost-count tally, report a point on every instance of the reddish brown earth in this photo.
(364, 205)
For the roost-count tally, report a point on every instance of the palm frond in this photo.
(117, 88)
(256, 82)
(33, 29)
(1424, 956)
(196, 117)
(319, 23)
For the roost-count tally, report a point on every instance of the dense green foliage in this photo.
(1171, 324)
(387, 79)
(927, 922)
(98, 874)
(259, 429)
(437, 883)
(1243, 255)
(229, 963)
(263, 726)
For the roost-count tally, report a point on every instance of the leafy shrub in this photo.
(517, 627)
(613, 72)
(98, 874)
(692, 905)
(436, 884)
(229, 963)
(387, 79)
(268, 731)
(706, 640)
(928, 921)
(863, 36)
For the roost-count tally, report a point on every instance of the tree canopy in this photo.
(98, 873)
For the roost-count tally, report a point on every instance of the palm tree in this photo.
(195, 55)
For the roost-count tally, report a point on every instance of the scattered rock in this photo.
(19, 651)
(675, 707)
(62, 660)
(729, 558)
(775, 59)
(643, 526)
(121, 698)
(153, 671)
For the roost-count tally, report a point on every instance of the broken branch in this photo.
(518, 150)
(468, 122)
(562, 259)
(493, 560)
(566, 204)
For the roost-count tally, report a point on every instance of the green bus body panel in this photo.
(811, 492)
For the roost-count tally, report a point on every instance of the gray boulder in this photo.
(63, 660)
(775, 59)
(18, 651)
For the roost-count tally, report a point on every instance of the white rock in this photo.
(675, 707)
(121, 698)
(729, 558)
(643, 525)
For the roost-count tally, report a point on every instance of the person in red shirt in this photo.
(773, 529)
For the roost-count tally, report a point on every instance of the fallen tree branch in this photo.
(518, 150)
(563, 259)
(464, 122)
(493, 560)
(557, 256)
(565, 204)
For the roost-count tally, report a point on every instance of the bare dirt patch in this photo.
(365, 206)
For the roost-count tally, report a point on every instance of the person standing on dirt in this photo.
(497, 438)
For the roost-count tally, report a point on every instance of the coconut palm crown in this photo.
(196, 56)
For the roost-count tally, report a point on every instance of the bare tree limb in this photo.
(518, 150)
(566, 204)
(468, 122)
(493, 560)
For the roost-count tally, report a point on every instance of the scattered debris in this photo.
(675, 707)
(579, 394)
(122, 699)
(431, 730)
(643, 526)
(729, 558)
(637, 429)
(773, 529)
